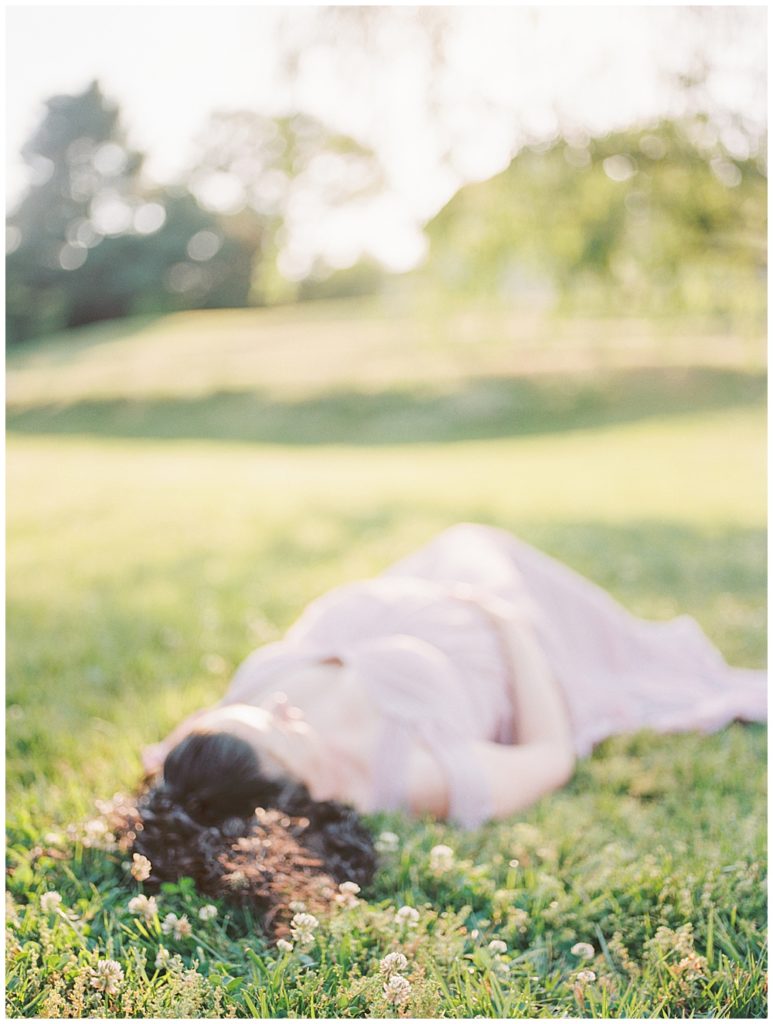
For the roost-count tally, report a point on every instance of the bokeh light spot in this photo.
(82, 232)
(148, 218)
(184, 277)
(110, 159)
(204, 245)
(72, 256)
(619, 167)
(726, 172)
(220, 192)
(110, 214)
(41, 170)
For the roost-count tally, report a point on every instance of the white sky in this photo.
(169, 66)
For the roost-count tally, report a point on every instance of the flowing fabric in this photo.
(421, 640)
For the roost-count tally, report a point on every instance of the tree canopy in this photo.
(660, 217)
(92, 240)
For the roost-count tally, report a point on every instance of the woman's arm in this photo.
(518, 776)
(539, 709)
(515, 777)
(543, 758)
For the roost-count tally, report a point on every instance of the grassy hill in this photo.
(179, 488)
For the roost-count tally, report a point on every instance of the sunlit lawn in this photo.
(145, 559)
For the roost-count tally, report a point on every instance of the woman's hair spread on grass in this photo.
(218, 818)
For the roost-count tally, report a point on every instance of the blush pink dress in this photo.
(422, 639)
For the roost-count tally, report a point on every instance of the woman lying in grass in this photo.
(463, 682)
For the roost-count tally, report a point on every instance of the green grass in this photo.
(172, 504)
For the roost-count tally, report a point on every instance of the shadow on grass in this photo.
(482, 408)
(64, 347)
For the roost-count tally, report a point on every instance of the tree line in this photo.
(659, 218)
(91, 240)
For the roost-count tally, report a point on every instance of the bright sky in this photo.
(515, 71)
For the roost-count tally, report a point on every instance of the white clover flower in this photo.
(584, 950)
(585, 976)
(397, 990)
(387, 842)
(306, 922)
(441, 859)
(208, 912)
(347, 894)
(408, 916)
(497, 946)
(141, 867)
(179, 927)
(514, 863)
(169, 923)
(107, 976)
(50, 902)
(143, 906)
(297, 906)
(302, 929)
(162, 956)
(284, 945)
(96, 835)
(393, 963)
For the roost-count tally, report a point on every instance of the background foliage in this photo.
(657, 219)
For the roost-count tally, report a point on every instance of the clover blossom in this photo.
(50, 902)
(397, 990)
(347, 894)
(387, 842)
(141, 867)
(302, 929)
(179, 927)
(143, 906)
(393, 963)
(408, 916)
(107, 976)
(441, 859)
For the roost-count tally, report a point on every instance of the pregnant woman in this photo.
(463, 682)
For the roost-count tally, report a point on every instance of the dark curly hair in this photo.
(241, 833)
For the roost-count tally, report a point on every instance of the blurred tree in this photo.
(90, 242)
(647, 220)
(77, 158)
(293, 175)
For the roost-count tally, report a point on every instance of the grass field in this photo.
(178, 489)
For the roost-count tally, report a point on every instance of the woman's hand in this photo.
(518, 776)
